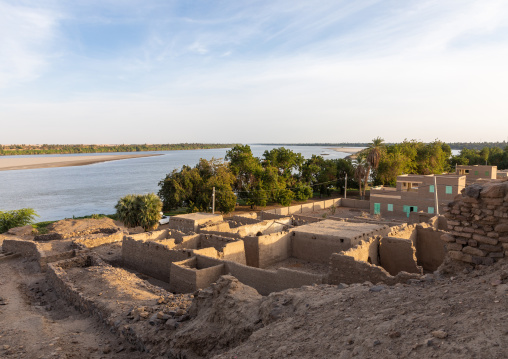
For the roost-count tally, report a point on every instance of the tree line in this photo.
(80, 148)
(281, 176)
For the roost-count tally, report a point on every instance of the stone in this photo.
(459, 256)
(472, 243)
(454, 246)
(448, 238)
(377, 288)
(496, 190)
(473, 191)
(474, 251)
(342, 286)
(503, 239)
(485, 239)
(501, 228)
(490, 248)
(483, 260)
(440, 334)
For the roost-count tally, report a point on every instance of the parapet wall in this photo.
(478, 224)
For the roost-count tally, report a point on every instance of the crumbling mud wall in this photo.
(352, 266)
(478, 224)
(430, 248)
(263, 251)
(37, 250)
(259, 228)
(194, 273)
(152, 257)
(398, 255)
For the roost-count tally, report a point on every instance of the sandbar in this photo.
(25, 163)
(350, 150)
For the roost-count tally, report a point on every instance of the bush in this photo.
(16, 218)
(139, 210)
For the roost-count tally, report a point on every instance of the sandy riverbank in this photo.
(350, 150)
(24, 163)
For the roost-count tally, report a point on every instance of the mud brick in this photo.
(505, 246)
(485, 239)
(462, 234)
(472, 243)
(493, 235)
(454, 247)
(487, 212)
(503, 239)
(461, 240)
(458, 228)
(464, 209)
(490, 248)
(496, 255)
(502, 227)
(450, 239)
(474, 251)
(453, 223)
(488, 228)
(468, 230)
(459, 256)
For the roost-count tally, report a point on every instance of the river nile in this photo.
(63, 192)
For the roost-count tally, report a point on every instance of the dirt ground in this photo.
(34, 323)
(458, 312)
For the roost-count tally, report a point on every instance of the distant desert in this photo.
(24, 163)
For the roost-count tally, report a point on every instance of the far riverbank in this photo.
(24, 163)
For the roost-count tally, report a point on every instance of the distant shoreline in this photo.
(11, 163)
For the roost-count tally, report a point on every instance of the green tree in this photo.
(16, 218)
(139, 210)
(192, 188)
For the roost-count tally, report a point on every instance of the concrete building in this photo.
(415, 193)
(476, 172)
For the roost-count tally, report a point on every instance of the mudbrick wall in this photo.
(478, 224)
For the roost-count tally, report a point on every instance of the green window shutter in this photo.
(430, 210)
(449, 189)
(405, 209)
(487, 173)
(476, 173)
(431, 188)
(377, 208)
(390, 207)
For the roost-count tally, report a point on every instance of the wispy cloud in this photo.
(26, 36)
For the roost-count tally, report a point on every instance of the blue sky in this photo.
(154, 71)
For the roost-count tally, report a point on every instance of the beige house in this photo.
(415, 193)
(476, 172)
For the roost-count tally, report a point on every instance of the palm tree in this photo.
(373, 158)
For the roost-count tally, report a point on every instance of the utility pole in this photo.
(345, 187)
(435, 195)
(213, 200)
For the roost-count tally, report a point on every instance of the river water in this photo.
(64, 192)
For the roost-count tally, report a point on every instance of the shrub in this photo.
(139, 210)
(16, 218)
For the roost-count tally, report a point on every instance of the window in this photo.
(487, 173)
(390, 207)
(431, 188)
(430, 210)
(467, 172)
(449, 189)
(476, 173)
(377, 208)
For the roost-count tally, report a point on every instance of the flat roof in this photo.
(198, 216)
(338, 228)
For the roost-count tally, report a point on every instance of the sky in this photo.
(241, 71)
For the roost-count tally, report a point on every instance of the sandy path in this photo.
(16, 163)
